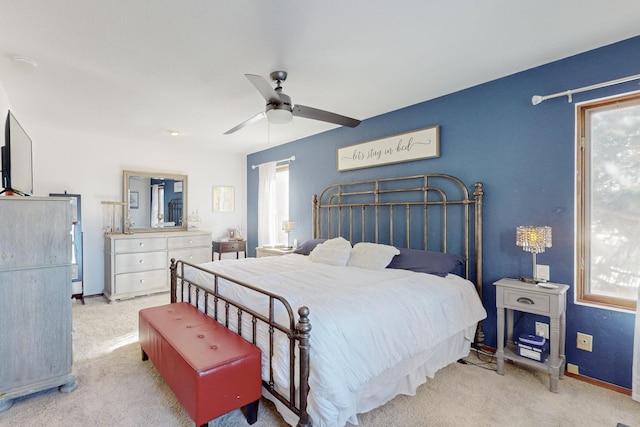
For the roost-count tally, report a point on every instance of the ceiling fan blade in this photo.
(265, 89)
(325, 116)
(253, 119)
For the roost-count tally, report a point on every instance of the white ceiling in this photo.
(136, 68)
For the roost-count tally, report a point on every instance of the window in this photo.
(608, 207)
(282, 209)
(273, 203)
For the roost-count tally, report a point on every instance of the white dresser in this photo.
(138, 264)
(35, 296)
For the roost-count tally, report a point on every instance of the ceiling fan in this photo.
(279, 109)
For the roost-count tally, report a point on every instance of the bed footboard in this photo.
(297, 332)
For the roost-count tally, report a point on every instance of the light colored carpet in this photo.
(117, 389)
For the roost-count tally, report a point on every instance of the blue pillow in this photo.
(432, 262)
(307, 246)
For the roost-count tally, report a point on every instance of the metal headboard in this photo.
(430, 212)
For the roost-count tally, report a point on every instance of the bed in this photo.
(387, 292)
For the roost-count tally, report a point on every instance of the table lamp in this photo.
(288, 227)
(534, 239)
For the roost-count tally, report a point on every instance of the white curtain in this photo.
(635, 384)
(157, 205)
(267, 204)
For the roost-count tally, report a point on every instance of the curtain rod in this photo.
(288, 159)
(537, 99)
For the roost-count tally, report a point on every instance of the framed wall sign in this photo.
(405, 147)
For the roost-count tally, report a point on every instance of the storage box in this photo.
(533, 347)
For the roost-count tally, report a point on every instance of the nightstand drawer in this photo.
(231, 246)
(527, 301)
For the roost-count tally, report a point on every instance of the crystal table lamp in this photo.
(288, 227)
(534, 239)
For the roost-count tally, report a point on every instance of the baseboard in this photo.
(599, 383)
(583, 378)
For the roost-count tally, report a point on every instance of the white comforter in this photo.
(364, 322)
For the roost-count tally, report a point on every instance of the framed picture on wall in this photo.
(223, 199)
(134, 199)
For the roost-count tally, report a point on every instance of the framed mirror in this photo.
(155, 201)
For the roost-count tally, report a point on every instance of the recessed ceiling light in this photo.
(26, 62)
(173, 132)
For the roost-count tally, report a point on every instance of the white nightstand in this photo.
(263, 252)
(513, 294)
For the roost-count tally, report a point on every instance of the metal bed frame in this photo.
(175, 211)
(434, 207)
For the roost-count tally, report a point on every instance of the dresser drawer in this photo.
(141, 282)
(189, 241)
(194, 256)
(140, 245)
(129, 263)
(530, 301)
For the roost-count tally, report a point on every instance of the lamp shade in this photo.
(288, 226)
(533, 238)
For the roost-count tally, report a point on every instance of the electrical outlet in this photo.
(573, 369)
(542, 272)
(584, 342)
(542, 329)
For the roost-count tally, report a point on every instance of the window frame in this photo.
(583, 234)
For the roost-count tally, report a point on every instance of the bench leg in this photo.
(251, 411)
(144, 355)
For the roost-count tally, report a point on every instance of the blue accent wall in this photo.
(524, 155)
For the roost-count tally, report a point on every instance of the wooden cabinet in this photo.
(35, 297)
(138, 264)
(236, 246)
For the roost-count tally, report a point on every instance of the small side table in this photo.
(513, 294)
(236, 246)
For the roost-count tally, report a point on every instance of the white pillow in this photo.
(372, 256)
(333, 252)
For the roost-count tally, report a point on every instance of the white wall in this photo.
(92, 165)
(4, 106)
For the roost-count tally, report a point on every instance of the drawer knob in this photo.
(141, 244)
(141, 280)
(141, 261)
(190, 241)
(525, 300)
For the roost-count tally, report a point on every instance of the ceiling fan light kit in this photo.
(279, 117)
(279, 110)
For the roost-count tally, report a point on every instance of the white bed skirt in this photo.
(404, 378)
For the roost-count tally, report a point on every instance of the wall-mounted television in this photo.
(17, 160)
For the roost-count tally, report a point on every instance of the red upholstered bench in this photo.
(210, 369)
